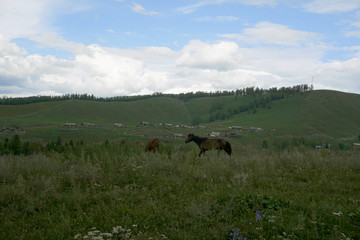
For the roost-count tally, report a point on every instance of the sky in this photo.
(135, 47)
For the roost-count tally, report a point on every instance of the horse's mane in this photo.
(198, 139)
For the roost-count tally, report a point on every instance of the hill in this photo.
(316, 113)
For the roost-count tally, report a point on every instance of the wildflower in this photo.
(118, 229)
(97, 238)
(338, 213)
(258, 215)
(235, 233)
(109, 235)
(77, 236)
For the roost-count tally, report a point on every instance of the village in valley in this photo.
(167, 130)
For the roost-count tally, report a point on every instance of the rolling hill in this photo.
(316, 113)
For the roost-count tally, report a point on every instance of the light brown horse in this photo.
(152, 145)
(139, 143)
(208, 144)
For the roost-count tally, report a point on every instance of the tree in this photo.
(264, 144)
(15, 145)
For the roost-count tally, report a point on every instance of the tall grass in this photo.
(116, 191)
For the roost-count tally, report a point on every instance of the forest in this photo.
(272, 94)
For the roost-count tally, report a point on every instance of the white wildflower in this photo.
(77, 236)
(338, 213)
(118, 229)
(106, 235)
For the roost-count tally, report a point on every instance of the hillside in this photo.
(326, 113)
(329, 113)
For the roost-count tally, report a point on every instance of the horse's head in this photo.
(189, 138)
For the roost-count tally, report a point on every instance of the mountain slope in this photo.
(330, 113)
(322, 112)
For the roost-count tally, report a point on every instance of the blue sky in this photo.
(123, 47)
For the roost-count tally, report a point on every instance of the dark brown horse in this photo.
(152, 145)
(208, 144)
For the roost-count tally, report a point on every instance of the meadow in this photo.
(114, 190)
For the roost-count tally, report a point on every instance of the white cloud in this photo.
(140, 9)
(339, 75)
(217, 19)
(21, 18)
(332, 6)
(193, 7)
(199, 66)
(271, 33)
(221, 56)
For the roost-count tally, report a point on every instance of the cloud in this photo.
(339, 75)
(21, 18)
(198, 66)
(140, 9)
(217, 19)
(332, 6)
(272, 33)
(221, 56)
(193, 7)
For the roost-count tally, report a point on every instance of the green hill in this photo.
(330, 113)
(316, 113)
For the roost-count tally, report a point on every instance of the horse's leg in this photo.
(202, 151)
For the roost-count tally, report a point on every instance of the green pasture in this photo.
(114, 190)
(298, 178)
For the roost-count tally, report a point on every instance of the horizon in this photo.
(128, 48)
(157, 94)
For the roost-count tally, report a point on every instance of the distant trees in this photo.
(14, 146)
(274, 93)
(260, 98)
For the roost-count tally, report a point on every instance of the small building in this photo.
(256, 129)
(235, 134)
(70, 124)
(118, 125)
(178, 135)
(236, 127)
(201, 127)
(215, 134)
(88, 124)
(356, 145)
(143, 123)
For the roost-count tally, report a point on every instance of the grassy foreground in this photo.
(116, 191)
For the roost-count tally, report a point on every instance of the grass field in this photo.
(98, 184)
(116, 191)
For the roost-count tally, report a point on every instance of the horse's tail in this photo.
(228, 148)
